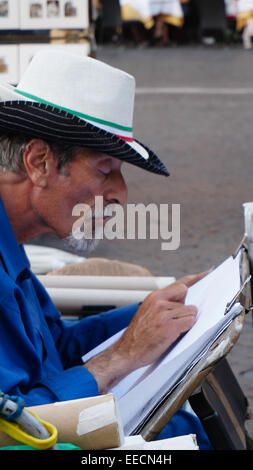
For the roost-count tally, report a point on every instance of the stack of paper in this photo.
(137, 442)
(142, 391)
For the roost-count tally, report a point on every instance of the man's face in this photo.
(90, 174)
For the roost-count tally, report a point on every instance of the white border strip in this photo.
(112, 130)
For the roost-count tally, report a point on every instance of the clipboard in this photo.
(203, 373)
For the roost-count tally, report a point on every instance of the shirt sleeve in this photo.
(73, 340)
(76, 338)
(71, 384)
(26, 370)
(40, 354)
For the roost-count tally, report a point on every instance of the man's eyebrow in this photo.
(105, 159)
(101, 159)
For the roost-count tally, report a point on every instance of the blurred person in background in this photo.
(244, 21)
(155, 15)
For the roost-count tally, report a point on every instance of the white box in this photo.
(9, 64)
(9, 14)
(54, 14)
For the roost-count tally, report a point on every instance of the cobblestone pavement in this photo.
(206, 141)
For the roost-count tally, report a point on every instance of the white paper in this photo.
(137, 442)
(142, 390)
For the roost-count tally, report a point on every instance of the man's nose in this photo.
(117, 190)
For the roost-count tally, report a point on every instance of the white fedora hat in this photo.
(79, 101)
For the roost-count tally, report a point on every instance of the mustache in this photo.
(106, 211)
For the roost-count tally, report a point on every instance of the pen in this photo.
(232, 302)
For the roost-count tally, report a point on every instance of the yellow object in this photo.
(128, 13)
(16, 432)
(242, 19)
(172, 19)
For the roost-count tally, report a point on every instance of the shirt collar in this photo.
(13, 255)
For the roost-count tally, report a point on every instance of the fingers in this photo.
(181, 308)
(184, 311)
(191, 279)
(186, 323)
(171, 299)
(178, 321)
(168, 305)
(176, 292)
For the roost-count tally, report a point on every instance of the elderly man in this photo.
(65, 132)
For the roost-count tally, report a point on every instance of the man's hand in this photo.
(159, 321)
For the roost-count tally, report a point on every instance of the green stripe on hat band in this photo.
(76, 113)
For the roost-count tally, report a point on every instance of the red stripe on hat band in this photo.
(127, 139)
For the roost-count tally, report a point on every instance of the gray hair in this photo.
(12, 148)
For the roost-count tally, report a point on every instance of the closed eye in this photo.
(105, 167)
(105, 172)
(108, 165)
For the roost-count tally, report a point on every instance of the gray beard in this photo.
(89, 240)
(86, 244)
(81, 247)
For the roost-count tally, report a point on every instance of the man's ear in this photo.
(39, 162)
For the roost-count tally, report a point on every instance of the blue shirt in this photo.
(40, 353)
